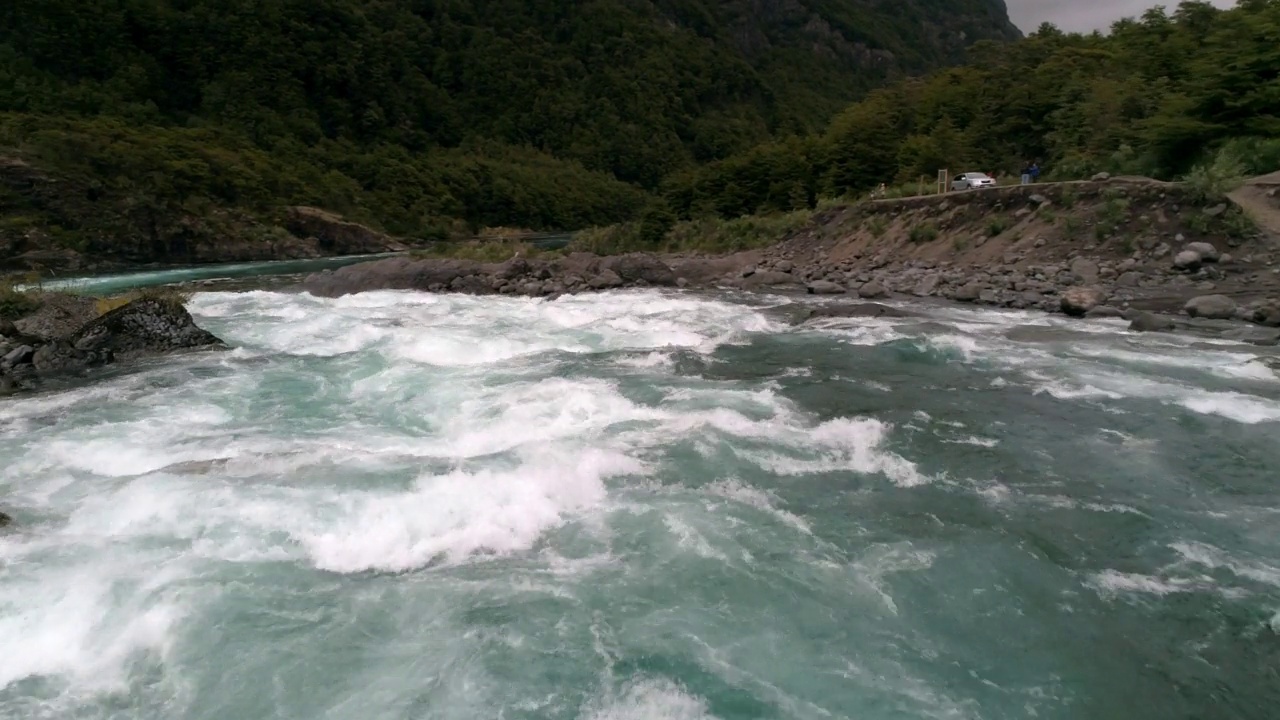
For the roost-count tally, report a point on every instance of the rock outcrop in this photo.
(576, 272)
(333, 235)
(144, 327)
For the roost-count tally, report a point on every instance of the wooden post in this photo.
(942, 181)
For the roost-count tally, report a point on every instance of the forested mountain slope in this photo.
(412, 113)
(1158, 96)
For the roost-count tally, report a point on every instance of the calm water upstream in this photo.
(645, 505)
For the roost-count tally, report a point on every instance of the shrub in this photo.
(1069, 197)
(997, 225)
(15, 303)
(877, 226)
(1211, 182)
(923, 233)
(1071, 227)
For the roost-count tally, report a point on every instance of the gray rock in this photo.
(927, 286)
(1268, 315)
(1101, 177)
(825, 287)
(20, 355)
(1151, 322)
(5, 520)
(1216, 210)
(145, 327)
(604, 280)
(1129, 279)
(473, 284)
(642, 266)
(1212, 307)
(970, 291)
(1161, 251)
(1085, 269)
(1038, 198)
(1208, 253)
(872, 290)
(682, 282)
(7, 328)
(1188, 260)
(1078, 301)
(784, 266)
(768, 278)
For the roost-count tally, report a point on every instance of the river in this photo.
(645, 504)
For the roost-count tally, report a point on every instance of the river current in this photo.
(641, 505)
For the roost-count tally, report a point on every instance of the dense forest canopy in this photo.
(410, 112)
(1154, 96)
(416, 115)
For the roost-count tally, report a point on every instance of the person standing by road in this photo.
(1026, 174)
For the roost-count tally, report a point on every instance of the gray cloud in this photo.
(1083, 15)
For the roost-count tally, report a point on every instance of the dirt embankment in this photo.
(1135, 243)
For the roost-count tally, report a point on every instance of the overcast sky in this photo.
(1083, 15)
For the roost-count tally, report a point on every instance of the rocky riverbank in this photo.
(64, 335)
(1139, 249)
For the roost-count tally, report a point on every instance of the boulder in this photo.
(1151, 322)
(7, 328)
(147, 326)
(1078, 301)
(768, 278)
(5, 520)
(604, 280)
(20, 355)
(970, 291)
(825, 287)
(472, 285)
(1189, 260)
(784, 266)
(144, 327)
(62, 357)
(1085, 269)
(1208, 253)
(1268, 315)
(514, 268)
(642, 266)
(1101, 177)
(1212, 307)
(927, 286)
(872, 290)
(1130, 279)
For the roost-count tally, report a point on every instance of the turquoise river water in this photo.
(645, 505)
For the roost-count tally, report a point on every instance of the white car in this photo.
(972, 181)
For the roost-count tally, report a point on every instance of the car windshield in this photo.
(978, 176)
